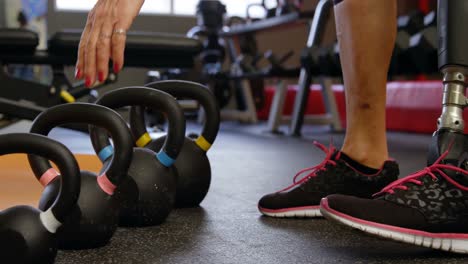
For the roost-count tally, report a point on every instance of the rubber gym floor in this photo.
(227, 228)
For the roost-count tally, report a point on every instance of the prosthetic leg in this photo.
(453, 63)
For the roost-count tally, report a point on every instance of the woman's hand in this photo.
(103, 38)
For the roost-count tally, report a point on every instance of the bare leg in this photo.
(366, 32)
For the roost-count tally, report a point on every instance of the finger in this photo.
(103, 50)
(119, 37)
(80, 62)
(90, 49)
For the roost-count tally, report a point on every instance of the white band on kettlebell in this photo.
(49, 221)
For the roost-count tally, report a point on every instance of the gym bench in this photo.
(25, 99)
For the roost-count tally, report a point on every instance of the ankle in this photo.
(372, 159)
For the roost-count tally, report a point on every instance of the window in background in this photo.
(157, 6)
(177, 7)
(152, 6)
(185, 7)
(239, 7)
(74, 5)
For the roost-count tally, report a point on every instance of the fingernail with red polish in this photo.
(101, 77)
(77, 73)
(88, 81)
(116, 68)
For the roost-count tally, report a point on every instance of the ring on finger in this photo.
(120, 31)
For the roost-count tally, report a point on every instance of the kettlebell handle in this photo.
(88, 114)
(157, 100)
(49, 149)
(181, 89)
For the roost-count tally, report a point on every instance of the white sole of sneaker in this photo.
(457, 243)
(299, 212)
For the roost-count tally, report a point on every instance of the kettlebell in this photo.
(192, 164)
(95, 218)
(148, 192)
(27, 235)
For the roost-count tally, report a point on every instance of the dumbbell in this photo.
(411, 23)
(248, 44)
(213, 54)
(406, 26)
(276, 63)
(247, 63)
(329, 60)
(222, 90)
(275, 66)
(309, 59)
(322, 60)
(422, 48)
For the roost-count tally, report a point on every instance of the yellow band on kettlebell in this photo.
(143, 140)
(203, 143)
(67, 96)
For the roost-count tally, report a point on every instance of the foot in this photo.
(333, 175)
(428, 208)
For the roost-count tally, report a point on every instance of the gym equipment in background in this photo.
(407, 25)
(415, 50)
(25, 100)
(328, 59)
(192, 163)
(148, 193)
(243, 79)
(27, 235)
(18, 46)
(422, 48)
(274, 8)
(211, 17)
(95, 219)
(308, 70)
(410, 55)
(210, 21)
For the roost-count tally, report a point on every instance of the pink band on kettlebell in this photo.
(48, 176)
(106, 185)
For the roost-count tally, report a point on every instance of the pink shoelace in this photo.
(437, 167)
(313, 170)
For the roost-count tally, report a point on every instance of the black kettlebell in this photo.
(148, 193)
(192, 164)
(27, 235)
(95, 219)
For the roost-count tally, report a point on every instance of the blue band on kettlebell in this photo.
(165, 159)
(106, 153)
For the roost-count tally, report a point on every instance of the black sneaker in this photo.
(428, 208)
(333, 175)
